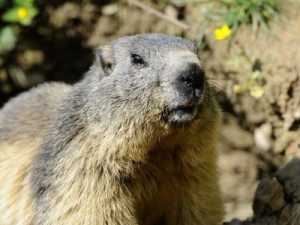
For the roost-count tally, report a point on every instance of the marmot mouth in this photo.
(181, 114)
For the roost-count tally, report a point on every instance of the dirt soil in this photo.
(259, 135)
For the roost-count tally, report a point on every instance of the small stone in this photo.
(233, 222)
(293, 149)
(297, 113)
(284, 140)
(262, 137)
(110, 9)
(171, 11)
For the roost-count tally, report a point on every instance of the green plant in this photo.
(7, 39)
(253, 83)
(15, 14)
(235, 13)
(255, 12)
(252, 86)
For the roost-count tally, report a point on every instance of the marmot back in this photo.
(133, 143)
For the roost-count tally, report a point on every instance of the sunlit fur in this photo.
(99, 153)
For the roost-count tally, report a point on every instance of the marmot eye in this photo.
(136, 59)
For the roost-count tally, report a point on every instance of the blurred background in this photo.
(250, 48)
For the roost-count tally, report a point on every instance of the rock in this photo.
(289, 176)
(277, 199)
(285, 215)
(269, 197)
(290, 215)
(295, 219)
(268, 220)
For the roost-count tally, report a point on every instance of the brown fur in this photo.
(136, 170)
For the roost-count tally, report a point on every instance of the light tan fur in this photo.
(19, 148)
(15, 191)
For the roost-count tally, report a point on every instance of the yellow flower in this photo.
(222, 33)
(22, 13)
(256, 91)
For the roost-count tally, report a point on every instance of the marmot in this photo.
(134, 142)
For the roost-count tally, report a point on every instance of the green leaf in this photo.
(256, 74)
(7, 39)
(256, 91)
(11, 15)
(23, 3)
(234, 62)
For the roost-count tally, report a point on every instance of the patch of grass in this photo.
(256, 12)
(235, 13)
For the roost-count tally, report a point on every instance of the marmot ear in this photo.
(105, 58)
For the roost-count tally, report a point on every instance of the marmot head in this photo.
(153, 73)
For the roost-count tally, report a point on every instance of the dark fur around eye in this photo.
(136, 59)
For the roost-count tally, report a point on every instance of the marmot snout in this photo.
(133, 143)
(189, 84)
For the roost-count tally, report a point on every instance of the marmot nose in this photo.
(191, 77)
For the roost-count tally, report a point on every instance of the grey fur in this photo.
(125, 103)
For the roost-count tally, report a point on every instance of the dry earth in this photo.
(258, 136)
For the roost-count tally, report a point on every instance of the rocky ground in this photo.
(277, 198)
(260, 135)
